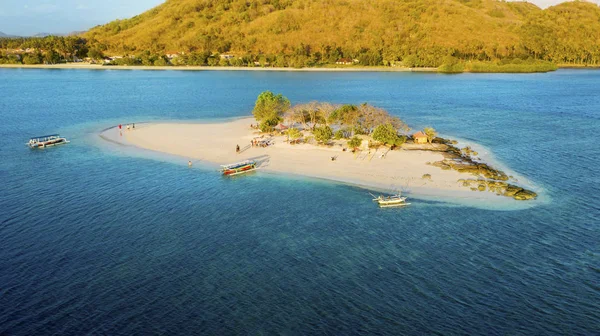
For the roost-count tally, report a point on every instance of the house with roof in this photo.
(420, 137)
(173, 54)
(345, 61)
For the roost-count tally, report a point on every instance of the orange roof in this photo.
(419, 135)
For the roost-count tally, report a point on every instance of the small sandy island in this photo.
(382, 169)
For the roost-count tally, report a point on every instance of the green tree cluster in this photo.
(293, 134)
(269, 109)
(388, 134)
(430, 132)
(354, 142)
(323, 134)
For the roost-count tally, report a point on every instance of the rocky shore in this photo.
(464, 161)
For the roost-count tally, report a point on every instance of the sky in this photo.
(29, 17)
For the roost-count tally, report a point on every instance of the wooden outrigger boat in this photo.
(396, 200)
(47, 141)
(239, 168)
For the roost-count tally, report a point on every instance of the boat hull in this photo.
(48, 143)
(391, 201)
(239, 170)
(393, 205)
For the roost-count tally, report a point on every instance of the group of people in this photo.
(260, 143)
(128, 126)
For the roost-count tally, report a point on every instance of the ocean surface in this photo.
(102, 239)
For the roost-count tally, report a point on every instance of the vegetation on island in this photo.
(326, 121)
(388, 134)
(451, 35)
(430, 133)
(268, 110)
(327, 124)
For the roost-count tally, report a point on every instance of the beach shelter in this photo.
(281, 127)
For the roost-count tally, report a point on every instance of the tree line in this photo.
(328, 121)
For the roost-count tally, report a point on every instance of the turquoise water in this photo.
(99, 239)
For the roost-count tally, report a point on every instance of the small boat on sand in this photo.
(396, 200)
(47, 141)
(239, 168)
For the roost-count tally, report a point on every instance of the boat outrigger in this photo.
(239, 168)
(47, 141)
(396, 200)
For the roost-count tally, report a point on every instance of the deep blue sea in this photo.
(98, 239)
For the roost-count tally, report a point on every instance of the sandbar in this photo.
(378, 169)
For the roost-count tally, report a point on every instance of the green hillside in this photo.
(428, 29)
(476, 35)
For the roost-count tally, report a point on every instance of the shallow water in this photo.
(99, 239)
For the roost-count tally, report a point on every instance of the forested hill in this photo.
(381, 31)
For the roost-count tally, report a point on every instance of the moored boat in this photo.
(396, 200)
(47, 141)
(239, 168)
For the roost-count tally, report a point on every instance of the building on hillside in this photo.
(172, 54)
(345, 61)
(227, 57)
(420, 137)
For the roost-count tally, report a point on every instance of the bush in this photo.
(451, 64)
(293, 133)
(161, 62)
(338, 135)
(400, 141)
(268, 125)
(95, 54)
(355, 142)
(410, 61)
(32, 58)
(323, 134)
(386, 134)
(430, 132)
(516, 66)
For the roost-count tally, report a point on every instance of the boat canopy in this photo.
(238, 164)
(44, 136)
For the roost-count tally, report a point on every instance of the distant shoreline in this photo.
(87, 66)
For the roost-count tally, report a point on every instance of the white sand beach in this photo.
(216, 143)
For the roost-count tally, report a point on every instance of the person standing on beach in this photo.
(237, 148)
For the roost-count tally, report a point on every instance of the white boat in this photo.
(47, 141)
(396, 200)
